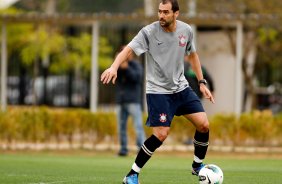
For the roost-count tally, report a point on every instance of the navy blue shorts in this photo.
(163, 107)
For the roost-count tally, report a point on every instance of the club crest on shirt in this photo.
(182, 41)
(163, 117)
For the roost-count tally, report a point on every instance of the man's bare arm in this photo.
(196, 66)
(110, 74)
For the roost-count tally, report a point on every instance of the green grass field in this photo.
(84, 167)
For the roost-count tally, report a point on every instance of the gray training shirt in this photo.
(164, 56)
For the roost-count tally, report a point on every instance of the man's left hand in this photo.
(206, 93)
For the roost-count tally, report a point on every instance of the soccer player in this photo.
(165, 43)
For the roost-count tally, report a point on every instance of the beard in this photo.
(164, 23)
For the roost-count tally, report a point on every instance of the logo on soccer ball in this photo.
(163, 117)
(182, 41)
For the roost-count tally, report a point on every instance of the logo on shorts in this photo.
(182, 41)
(163, 117)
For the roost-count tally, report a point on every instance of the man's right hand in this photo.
(109, 75)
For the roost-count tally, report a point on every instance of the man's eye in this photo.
(164, 12)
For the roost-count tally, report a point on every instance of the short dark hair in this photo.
(174, 4)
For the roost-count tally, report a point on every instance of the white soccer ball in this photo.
(211, 174)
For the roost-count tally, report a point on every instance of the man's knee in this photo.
(204, 127)
(161, 132)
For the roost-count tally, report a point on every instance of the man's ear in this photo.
(176, 14)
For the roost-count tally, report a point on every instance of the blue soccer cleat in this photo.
(195, 171)
(131, 179)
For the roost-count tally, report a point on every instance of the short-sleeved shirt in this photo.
(165, 53)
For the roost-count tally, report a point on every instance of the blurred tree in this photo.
(263, 36)
(85, 6)
(16, 32)
(239, 6)
(76, 55)
(40, 44)
(16, 40)
(270, 40)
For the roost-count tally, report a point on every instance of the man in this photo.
(165, 43)
(129, 99)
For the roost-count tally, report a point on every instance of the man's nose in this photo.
(161, 15)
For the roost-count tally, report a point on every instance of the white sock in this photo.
(136, 168)
(196, 159)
